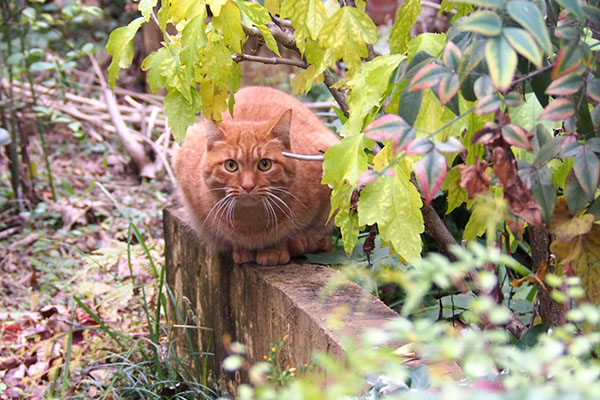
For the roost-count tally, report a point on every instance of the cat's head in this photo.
(245, 160)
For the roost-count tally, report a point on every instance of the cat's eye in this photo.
(231, 165)
(264, 164)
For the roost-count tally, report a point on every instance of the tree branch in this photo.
(286, 39)
(269, 60)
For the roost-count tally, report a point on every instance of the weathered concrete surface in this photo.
(258, 305)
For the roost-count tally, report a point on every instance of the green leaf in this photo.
(184, 9)
(368, 88)
(456, 194)
(488, 212)
(229, 24)
(193, 38)
(269, 39)
(120, 47)
(574, 194)
(502, 62)
(146, 7)
(539, 180)
(524, 44)
(530, 17)
(181, 113)
(406, 16)
(430, 172)
(486, 23)
(345, 161)
(347, 33)
(587, 170)
(257, 13)
(409, 105)
(573, 6)
(558, 110)
(591, 12)
(307, 16)
(549, 150)
(152, 64)
(425, 44)
(40, 66)
(433, 116)
(215, 6)
(593, 89)
(531, 338)
(395, 205)
(565, 86)
(273, 6)
(347, 221)
(483, 87)
(482, 3)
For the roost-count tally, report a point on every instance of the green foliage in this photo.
(39, 42)
(469, 363)
(496, 120)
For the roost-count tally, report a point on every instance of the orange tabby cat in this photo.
(242, 193)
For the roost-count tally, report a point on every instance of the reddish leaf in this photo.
(593, 89)
(565, 85)
(428, 76)
(452, 145)
(487, 134)
(419, 146)
(367, 177)
(558, 110)
(516, 136)
(430, 172)
(474, 179)
(488, 104)
(451, 56)
(448, 88)
(520, 201)
(390, 127)
(569, 58)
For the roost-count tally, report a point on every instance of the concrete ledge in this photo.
(258, 305)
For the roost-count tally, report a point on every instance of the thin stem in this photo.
(39, 125)
(446, 125)
(13, 153)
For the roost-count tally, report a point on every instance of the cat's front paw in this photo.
(273, 256)
(241, 256)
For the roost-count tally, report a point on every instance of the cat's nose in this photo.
(248, 186)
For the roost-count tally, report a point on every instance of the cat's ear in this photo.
(281, 128)
(213, 133)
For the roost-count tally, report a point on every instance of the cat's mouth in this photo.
(248, 199)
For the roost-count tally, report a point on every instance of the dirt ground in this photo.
(56, 256)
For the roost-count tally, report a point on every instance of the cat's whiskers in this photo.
(283, 207)
(225, 204)
(287, 192)
(271, 214)
(231, 211)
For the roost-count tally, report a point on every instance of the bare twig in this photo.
(286, 39)
(270, 60)
(146, 166)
